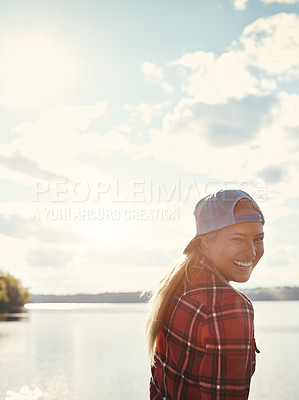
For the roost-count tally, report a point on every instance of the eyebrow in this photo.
(244, 234)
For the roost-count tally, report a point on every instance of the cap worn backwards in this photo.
(216, 211)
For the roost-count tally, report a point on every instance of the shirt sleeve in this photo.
(229, 358)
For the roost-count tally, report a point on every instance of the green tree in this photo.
(12, 294)
(3, 295)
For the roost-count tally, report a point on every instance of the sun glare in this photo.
(37, 69)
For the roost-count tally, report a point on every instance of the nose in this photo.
(250, 251)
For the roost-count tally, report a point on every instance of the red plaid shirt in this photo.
(206, 348)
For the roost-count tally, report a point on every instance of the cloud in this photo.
(240, 4)
(234, 101)
(18, 162)
(265, 54)
(14, 226)
(253, 131)
(293, 134)
(281, 256)
(156, 75)
(151, 69)
(126, 255)
(228, 82)
(280, 1)
(232, 123)
(123, 127)
(271, 45)
(58, 141)
(65, 117)
(62, 236)
(50, 257)
(213, 79)
(274, 174)
(19, 227)
(222, 125)
(144, 111)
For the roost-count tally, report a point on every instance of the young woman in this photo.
(200, 329)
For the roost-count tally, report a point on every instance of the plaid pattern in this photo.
(206, 348)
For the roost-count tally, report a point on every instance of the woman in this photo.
(200, 329)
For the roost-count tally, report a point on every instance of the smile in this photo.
(243, 264)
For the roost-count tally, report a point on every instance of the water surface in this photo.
(97, 352)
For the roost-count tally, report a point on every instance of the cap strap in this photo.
(249, 218)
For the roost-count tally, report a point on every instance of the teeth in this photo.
(243, 264)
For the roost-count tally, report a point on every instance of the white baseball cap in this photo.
(216, 211)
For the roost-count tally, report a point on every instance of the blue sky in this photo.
(116, 118)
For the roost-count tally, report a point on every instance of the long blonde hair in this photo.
(164, 290)
(162, 293)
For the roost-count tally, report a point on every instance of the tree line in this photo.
(258, 294)
(12, 294)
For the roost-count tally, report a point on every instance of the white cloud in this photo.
(227, 77)
(280, 1)
(151, 69)
(198, 59)
(215, 79)
(224, 82)
(123, 127)
(50, 257)
(227, 91)
(156, 74)
(271, 45)
(193, 138)
(58, 141)
(281, 255)
(17, 162)
(144, 111)
(240, 4)
(234, 127)
(105, 144)
(265, 54)
(51, 251)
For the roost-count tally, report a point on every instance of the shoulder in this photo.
(214, 293)
(208, 296)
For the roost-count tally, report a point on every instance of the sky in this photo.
(117, 117)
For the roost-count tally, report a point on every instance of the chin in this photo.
(241, 279)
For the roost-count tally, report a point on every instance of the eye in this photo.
(259, 239)
(237, 239)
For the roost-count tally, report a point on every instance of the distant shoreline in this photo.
(257, 294)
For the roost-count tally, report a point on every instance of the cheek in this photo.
(220, 254)
(260, 251)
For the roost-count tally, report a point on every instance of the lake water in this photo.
(97, 352)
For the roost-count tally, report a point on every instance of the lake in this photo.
(97, 352)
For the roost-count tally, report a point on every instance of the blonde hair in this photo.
(162, 293)
(164, 290)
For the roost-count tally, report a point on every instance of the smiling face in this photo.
(235, 250)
